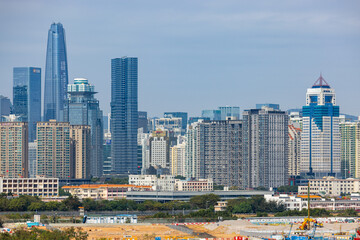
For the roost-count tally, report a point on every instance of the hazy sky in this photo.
(195, 55)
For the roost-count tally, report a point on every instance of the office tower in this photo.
(182, 115)
(320, 138)
(170, 124)
(349, 149)
(159, 149)
(82, 108)
(211, 114)
(54, 156)
(213, 151)
(81, 143)
(124, 114)
(177, 159)
(5, 106)
(144, 144)
(14, 149)
(32, 159)
(268, 105)
(56, 73)
(27, 96)
(143, 121)
(233, 112)
(294, 149)
(197, 119)
(265, 147)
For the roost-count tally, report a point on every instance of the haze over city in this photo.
(195, 55)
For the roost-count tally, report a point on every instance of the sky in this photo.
(197, 54)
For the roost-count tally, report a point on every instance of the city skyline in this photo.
(214, 47)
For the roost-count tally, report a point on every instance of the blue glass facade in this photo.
(56, 74)
(81, 108)
(124, 115)
(212, 114)
(27, 96)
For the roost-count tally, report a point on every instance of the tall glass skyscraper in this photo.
(56, 74)
(27, 97)
(320, 138)
(81, 108)
(124, 114)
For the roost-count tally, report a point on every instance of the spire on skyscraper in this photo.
(321, 83)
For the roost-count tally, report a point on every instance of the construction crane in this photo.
(307, 221)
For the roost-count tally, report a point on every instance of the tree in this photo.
(349, 213)
(243, 207)
(63, 193)
(37, 206)
(218, 187)
(72, 203)
(204, 201)
(118, 181)
(287, 188)
(180, 177)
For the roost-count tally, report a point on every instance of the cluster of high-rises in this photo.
(266, 147)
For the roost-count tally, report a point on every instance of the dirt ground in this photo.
(226, 229)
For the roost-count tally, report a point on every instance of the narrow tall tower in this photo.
(124, 114)
(56, 73)
(27, 96)
(320, 138)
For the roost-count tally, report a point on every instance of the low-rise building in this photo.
(194, 185)
(103, 191)
(331, 186)
(161, 183)
(300, 202)
(39, 186)
(221, 206)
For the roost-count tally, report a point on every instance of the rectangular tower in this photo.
(14, 149)
(27, 96)
(265, 146)
(81, 142)
(54, 150)
(124, 114)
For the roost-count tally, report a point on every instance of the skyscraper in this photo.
(27, 96)
(81, 108)
(265, 146)
(320, 138)
(5, 106)
(349, 149)
(56, 73)
(124, 114)
(81, 142)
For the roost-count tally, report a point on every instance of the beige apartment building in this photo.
(331, 186)
(103, 191)
(200, 185)
(14, 149)
(81, 142)
(39, 186)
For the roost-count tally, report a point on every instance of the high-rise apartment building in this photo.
(5, 107)
(320, 138)
(159, 149)
(14, 149)
(124, 114)
(177, 159)
(349, 149)
(265, 147)
(81, 143)
(56, 73)
(54, 150)
(294, 152)
(27, 96)
(82, 108)
(214, 151)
